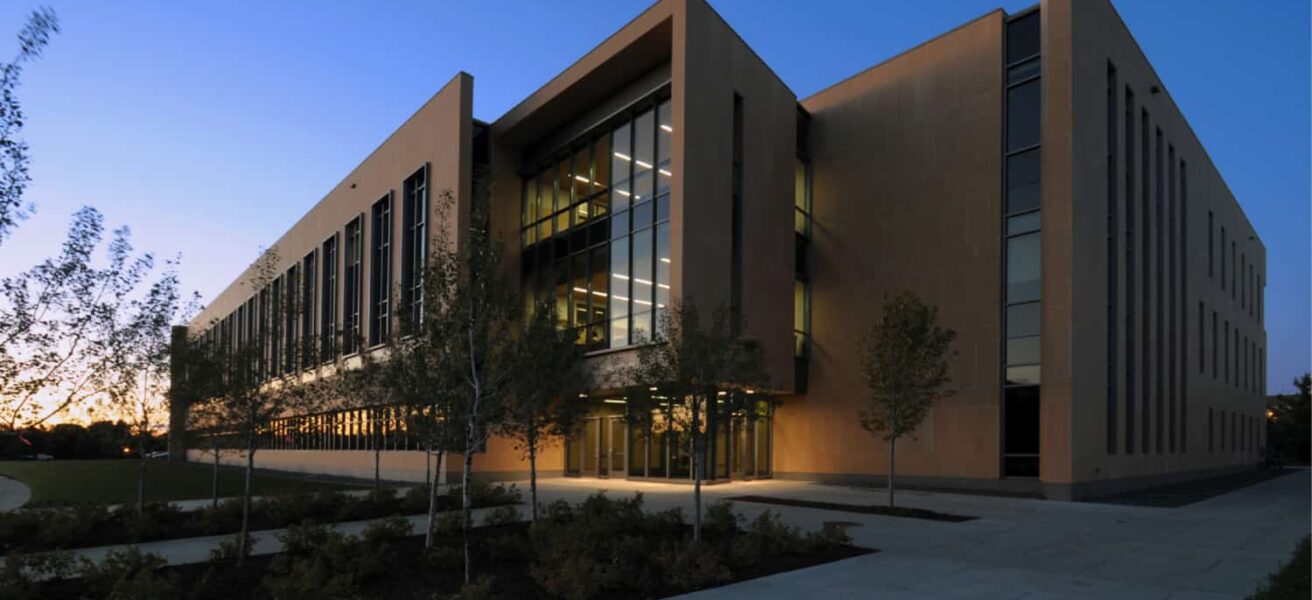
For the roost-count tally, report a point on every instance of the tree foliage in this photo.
(904, 360)
(63, 322)
(541, 404)
(1289, 424)
(14, 157)
(691, 372)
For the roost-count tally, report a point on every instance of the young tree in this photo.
(14, 158)
(137, 382)
(57, 334)
(681, 375)
(245, 389)
(904, 359)
(362, 386)
(541, 404)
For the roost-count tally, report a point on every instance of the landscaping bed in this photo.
(865, 509)
(601, 548)
(38, 530)
(1291, 582)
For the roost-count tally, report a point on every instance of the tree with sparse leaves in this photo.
(14, 158)
(684, 373)
(137, 381)
(904, 360)
(542, 403)
(242, 389)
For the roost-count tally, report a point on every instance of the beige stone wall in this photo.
(907, 195)
(1080, 39)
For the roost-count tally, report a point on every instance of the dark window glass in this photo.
(1023, 116)
(1023, 319)
(1023, 268)
(1023, 181)
(1023, 351)
(380, 272)
(1023, 37)
(1024, 223)
(1025, 70)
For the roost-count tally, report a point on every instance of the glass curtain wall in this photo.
(595, 229)
(1023, 250)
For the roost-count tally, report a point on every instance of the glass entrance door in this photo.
(616, 443)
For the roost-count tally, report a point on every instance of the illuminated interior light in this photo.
(663, 286)
(622, 156)
(642, 164)
(622, 193)
(642, 302)
(667, 129)
(614, 401)
(642, 281)
(651, 389)
(619, 297)
(580, 290)
(665, 172)
(582, 178)
(619, 276)
(596, 293)
(665, 260)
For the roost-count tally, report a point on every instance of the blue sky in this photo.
(209, 128)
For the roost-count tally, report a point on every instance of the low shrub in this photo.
(503, 515)
(21, 574)
(481, 589)
(129, 574)
(831, 534)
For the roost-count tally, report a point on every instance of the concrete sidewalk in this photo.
(1219, 548)
(197, 550)
(13, 494)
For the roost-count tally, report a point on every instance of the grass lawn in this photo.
(61, 482)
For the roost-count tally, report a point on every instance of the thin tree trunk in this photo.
(696, 473)
(141, 479)
(215, 502)
(244, 547)
(432, 500)
(428, 460)
(892, 447)
(533, 474)
(378, 482)
(467, 500)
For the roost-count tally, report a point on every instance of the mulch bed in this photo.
(865, 509)
(1176, 495)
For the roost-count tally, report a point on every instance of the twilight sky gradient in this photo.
(209, 128)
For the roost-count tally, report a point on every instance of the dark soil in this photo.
(1176, 495)
(865, 509)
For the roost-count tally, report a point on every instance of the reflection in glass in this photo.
(1023, 269)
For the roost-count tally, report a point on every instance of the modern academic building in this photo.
(1027, 173)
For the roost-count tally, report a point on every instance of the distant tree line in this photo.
(100, 439)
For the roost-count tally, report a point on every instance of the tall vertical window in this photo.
(736, 221)
(1023, 249)
(1211, 252)
(1202, 347)
(1171, 284)
(291, 316)
(1131, 316)
(1159, 292)
(328, 301)
(1223, 257)
(1145, 272)
(352, 297)
(414, 246)
(1113, 234)
(1234, 268)
(276, 319)
(595, 229)
(1184, 312)
(309, 270)
(801, 274)
(1226, 330)
(380, 271)
(1215, 344)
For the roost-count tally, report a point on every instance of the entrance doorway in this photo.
(602, 443)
